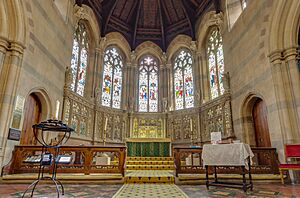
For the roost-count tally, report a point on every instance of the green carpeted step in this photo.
(150, 167)
(149, 159)
(149, 162)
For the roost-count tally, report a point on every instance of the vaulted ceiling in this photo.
(158, 21)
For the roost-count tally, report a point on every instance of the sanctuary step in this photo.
(150, 163)
(149, 170)
(28, 178)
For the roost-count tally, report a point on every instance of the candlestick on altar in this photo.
(104, 132)
(105, 123)
(191, 128)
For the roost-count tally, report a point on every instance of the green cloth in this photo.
(148, 149)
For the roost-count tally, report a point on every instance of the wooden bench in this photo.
(291, 151)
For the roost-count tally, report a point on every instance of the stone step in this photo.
(150, 176)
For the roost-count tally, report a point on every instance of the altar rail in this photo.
(85, 159)
(188, 161)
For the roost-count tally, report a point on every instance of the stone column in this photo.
(204, 83)
(99, 70)
(293, 72)
(196, 74)
(171, 99)
(3, 49)
(284, 98)
(12, 66)
(132, 82)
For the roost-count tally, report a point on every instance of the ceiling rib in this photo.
(136, 23)
(162, 26)
(189, 20)
(109, 15)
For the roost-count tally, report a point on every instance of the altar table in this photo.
(148, 147)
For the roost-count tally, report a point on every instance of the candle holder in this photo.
(47, 158)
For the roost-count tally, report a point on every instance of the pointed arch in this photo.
(148, 86)
(79, 60)
(183, 81)
(215, 62)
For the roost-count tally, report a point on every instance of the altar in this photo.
(148, 147)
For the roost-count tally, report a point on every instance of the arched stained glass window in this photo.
(183, 80)
(79, 59)
(112, 78)
(215, 63)
(148, 85)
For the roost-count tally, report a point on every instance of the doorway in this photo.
(260, 120)
(262, 135)
(33, 110)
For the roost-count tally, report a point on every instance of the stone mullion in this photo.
(13, 65)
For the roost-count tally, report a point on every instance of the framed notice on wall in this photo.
(14, 134)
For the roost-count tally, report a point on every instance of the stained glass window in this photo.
(244, 4)
(79, 59)
(183, 80)
(112, 78)
(148, 85)
(215, 63)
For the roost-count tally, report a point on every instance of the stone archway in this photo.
(33, 111)
(255, 122)
(37, 108)
(255, 125)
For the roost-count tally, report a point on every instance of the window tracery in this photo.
(148, 85)
(79, 59)
(215, 63)
(112, 78)
(183, 80)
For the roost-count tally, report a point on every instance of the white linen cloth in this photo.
(226, 154)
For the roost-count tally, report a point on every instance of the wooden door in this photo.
(262, 135)
(32, 116)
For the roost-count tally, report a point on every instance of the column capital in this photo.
(290, 53)
(276, 56)
(4, 44)
(17, 48)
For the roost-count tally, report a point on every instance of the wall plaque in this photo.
(14, 134)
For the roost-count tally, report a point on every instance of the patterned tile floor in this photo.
(150, 191)
(261, 190)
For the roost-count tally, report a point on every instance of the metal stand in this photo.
(50, 126)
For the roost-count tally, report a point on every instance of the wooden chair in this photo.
(291, 151)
